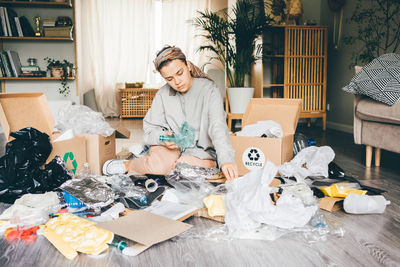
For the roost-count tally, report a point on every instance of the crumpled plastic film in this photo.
(191, 185)
(20, 167)
(311, 161)
(270, 129)
(91, 192)
(83, 120)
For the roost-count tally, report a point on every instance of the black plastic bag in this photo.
(20, 171)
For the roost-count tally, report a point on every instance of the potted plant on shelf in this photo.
(377, 32)
(62, 69)
(232, 40)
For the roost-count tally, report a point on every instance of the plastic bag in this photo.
(270, 129)
(191, 185)
(82, 120)
(20, 171)
(91, 192)
(311, 161)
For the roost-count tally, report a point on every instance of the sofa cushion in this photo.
(370, 110)
(379, 79)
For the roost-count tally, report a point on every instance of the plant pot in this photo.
(57, 72)
(239, 98)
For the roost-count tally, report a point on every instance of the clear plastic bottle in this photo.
(184, 139)
(300, 142)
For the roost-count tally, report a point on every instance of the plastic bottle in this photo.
(300, 142)
(184, 139)
(364, 204)
(119, 244)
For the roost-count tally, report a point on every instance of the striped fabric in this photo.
(379, 79)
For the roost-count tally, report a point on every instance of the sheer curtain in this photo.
(112, 46)
(117, 41)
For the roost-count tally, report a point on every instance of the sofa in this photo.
(377, 126)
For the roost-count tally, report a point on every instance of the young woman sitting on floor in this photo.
(188, 96)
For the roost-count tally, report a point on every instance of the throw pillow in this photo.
(379, 79)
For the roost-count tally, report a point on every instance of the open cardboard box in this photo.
(253, 152)
(20, 110)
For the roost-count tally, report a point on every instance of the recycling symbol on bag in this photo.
(253, 154)
(70, 155)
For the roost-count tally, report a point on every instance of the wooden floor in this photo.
(369, 240)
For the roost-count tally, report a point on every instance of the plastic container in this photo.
(72, 201)
(300, 142)
(364, 204)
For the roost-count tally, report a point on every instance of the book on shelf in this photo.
(37, 73)
(29, 68)
(19, 29)
(15, 62)
(2, 69)
(27, 29)
(7, 22)
(49, 23)
(3, 21)
(62, 31)
(6, 64)
(11, 15)
(10, 63)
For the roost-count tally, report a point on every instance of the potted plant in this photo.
(232, 39)
(62, 69)
(377, 30)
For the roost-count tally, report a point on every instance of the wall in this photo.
(340, 114)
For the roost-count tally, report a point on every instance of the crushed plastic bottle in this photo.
(184, 139)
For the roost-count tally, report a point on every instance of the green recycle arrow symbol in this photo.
(70, 155)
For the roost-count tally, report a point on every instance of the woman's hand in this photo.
(170, 145)
(230, 170)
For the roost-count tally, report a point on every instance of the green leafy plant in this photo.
(66, 68)
(378, 30)
(232, 38)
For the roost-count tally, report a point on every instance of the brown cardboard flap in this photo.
(331, 203)
(122, 132)
(20, 110)
(145, 228)
(284, 111)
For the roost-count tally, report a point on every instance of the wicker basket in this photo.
(135, 102)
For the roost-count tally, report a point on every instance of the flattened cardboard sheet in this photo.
(145, 228)
(21, 110)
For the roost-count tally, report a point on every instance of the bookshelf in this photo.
(294, 65)
(37, 47)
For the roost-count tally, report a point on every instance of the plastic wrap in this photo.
(250, 214)
(311, 161)
(91, 192)
(20, 167)
(82, 120)
(270, 129)
(191, 185)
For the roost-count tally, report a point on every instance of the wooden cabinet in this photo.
(43, 9)
(294, 65)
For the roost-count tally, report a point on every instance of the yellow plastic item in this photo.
(214, 205)
(71, 234)
(341, 190)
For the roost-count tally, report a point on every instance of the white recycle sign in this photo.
(253, 158)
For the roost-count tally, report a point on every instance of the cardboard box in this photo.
(20, 110)
(253, 152)
(99, 149)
